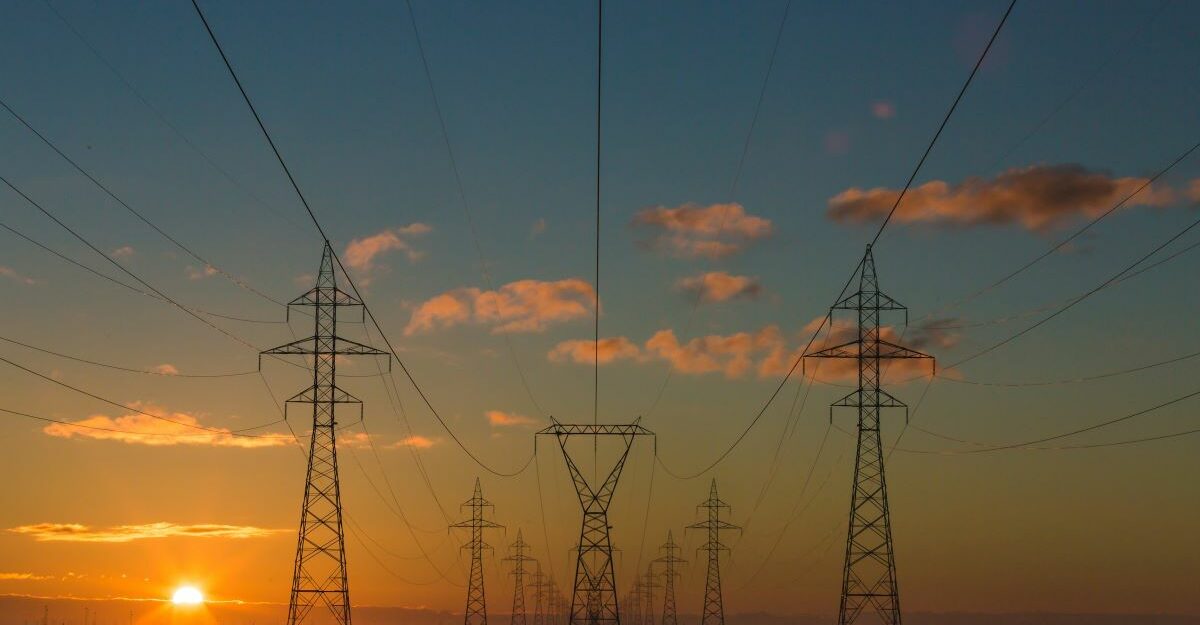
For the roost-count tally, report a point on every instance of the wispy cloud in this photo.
(140, 429)
(521, 306)
(125, 251)
(695, 231)
(499, 418)
(883, 109)
(23, 577)
(719, 286)
(207, 271)
(417, 441)
(15, 276)
(1036, 198)
(606, 350)
(538, 228)
(362, 253)
(75, 532)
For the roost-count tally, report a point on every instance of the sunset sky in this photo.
(713, 277)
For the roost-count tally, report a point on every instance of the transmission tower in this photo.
(670, 560)
(476, 611)
(554, 612)
(649, 583)
(594, 595)
(518, 557)
(319, 577)
(714, 605)
(539, 586)
(869, 577)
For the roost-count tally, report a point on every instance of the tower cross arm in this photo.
(308, 346)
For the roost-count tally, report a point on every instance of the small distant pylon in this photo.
(670, 560)
(518, 557)
(319, 576)
(869, 576)
(714, 603)
(476, 612)
(539, 586)
(649, 583)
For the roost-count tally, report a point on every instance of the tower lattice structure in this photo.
(319, 577)
(869, 577)
(713, 525)
(476, 610)
(649, 584)
(518, 557)
(670, 560)
(539, 586)
(594, 593)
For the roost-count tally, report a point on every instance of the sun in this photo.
(187, 595)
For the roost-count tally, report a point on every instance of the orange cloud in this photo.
(166, 369)
(207, 271)
(883, 109)
(74, 532)
(140, 429)
(606, 350)
(417, 441)
(13, 275)
(1037, 198)
(22, 576)
(360, 254)
(499, 418)
(719, 286)
(521, 306)
(694, 231)
(731, 355)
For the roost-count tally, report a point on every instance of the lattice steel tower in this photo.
(476, 610)
(714, 604)
(594, 597)
(869, 578)
(649, 583)
(319, 577)
(670, 560)
(539, 586)
(517, 555)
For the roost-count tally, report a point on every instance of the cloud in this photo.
(499, 418)
(13, 275)
(166, 369)
(837, 143)
(521, 306)
(125, 251)
(361, 253)
(74, 532)
(733, 355)
(199, 274)
(694, 231)
(1037, 198)
(22, 576)
(538, 228)
(140, 429)
(417, 441)
(585, 351)
(719, 286)
(883, 109)
(767, 352)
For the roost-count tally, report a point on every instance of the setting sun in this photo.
(187, 595)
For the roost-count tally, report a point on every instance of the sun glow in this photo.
(187, 595)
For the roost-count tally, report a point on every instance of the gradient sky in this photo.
(1076, 104)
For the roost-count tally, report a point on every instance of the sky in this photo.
(726, 229)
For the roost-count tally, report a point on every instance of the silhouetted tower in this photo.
(539, 586)
(714, 605)
(555, 609)
(649, 583)
(594, 595)
(476, 611)
(319, 577)
(517, 555)
(670, 560)
(869, 578)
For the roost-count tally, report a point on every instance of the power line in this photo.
(234, 279)
(824, 320)
(238, 432)
(1077, 300)
(127, 369)
(1032, 444)
(350, 280)
(462, 195)
(113, 280)
(162, 117)
(84, 426)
